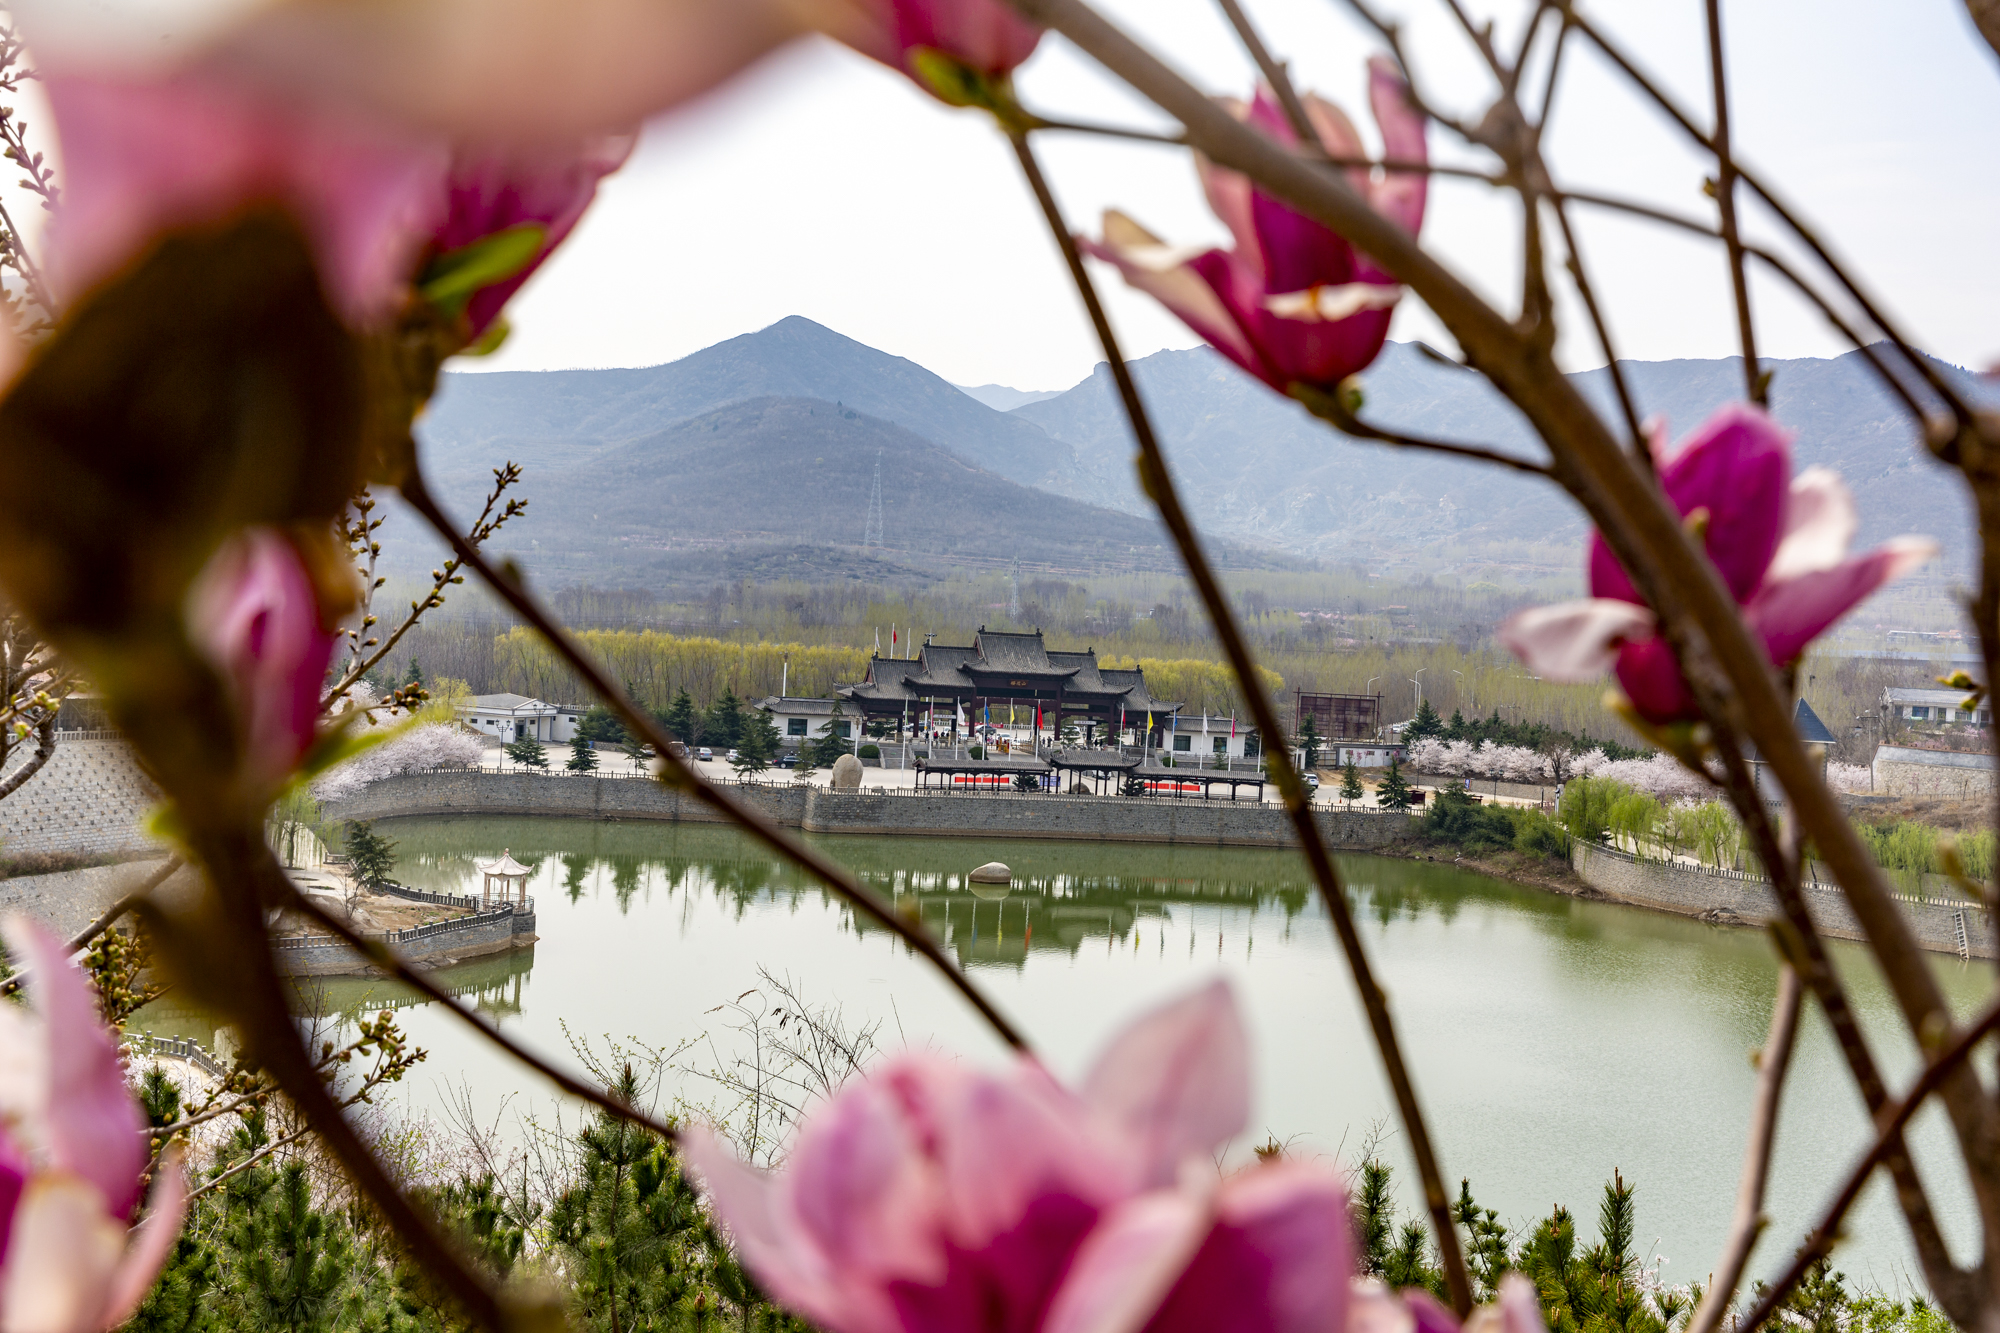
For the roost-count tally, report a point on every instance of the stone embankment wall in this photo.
(1946, 925)
(90, 797)
(437, 945)
(895, 811)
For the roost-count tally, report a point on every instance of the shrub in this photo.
(976, 751)
(871, 752)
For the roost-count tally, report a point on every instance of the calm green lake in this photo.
(1552, 1041)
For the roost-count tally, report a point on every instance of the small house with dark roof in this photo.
(1818, 740)
(997, 670)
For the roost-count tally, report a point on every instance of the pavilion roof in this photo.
(506, 866)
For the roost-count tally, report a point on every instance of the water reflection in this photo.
(1553, 1040)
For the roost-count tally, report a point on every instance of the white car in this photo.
(731, 756)
(704, 754)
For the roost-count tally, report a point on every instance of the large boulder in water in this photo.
(846, 773)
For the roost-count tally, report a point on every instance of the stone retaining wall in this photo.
(1944, 925)
(438, 945)
(90, 797)
(896, 812)
(69, 900)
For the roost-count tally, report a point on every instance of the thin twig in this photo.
(1640, 448)
(1158, 484)
(1726, 667)
(1918, 362)
(681, 774)
(398, 967)
(1749, 1221)
(250, 1161)
(1329, 408)
(1756, 388)
(103, 923)
(1274, 74)
(1772, 261)
(1108, 131)
(1819, 1241)
(1804, 948)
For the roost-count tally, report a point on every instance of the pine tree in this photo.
(1393, 792)
(1309, 741)
(1351, 789)
(582, 759)
(679, 718)
(414, 675)
(527, 751)
(372, 856)
(1455, 729)
(599, 723)
(759, 745)
(630, 1226)
(1425, 724)
(723, 724)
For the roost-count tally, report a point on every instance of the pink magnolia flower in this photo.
(72, 1150)
(491, 192)
(929, 1198)
(987, 36)
(256, 613)
(1292, 303)
(1781, 548)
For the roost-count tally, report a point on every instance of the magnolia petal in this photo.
(1652, 681)
(140, 157)
(1329, 304)
(64, 1252)
(1735, 467)
(1228, 194)
(1399, 195)
(1575, 641)
(987, 35)
(458, 67)
(151, 1241)
(1373, 1308)
(128, 33)
(94, 1128)
(861, 1186)
(1005, 1143)
(1169, 277)
(1820, 520)
(255, 612)
(1278, 1260)
(790, 1267)
(1520, 1309)
(1175, 1083)
(1130, 1262)
(1792, 613)
(494, 191)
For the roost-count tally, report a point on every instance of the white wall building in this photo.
(1921, 705)
(800, 721)
(513, 717)
(1207, 737)
(1362, 754)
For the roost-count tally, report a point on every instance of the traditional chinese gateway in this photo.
(998, 670)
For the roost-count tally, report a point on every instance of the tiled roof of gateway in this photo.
(947, 671)
(1010, 652)
(788, 704)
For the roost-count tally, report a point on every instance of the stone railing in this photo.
(178, 1048)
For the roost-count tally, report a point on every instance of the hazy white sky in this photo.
(826, 186)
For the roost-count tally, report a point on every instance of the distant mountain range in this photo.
(769, 442)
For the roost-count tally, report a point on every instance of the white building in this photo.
(1934, 706)
(800, 721)
(1209, 737)
(513, 717)
(1362, 754)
